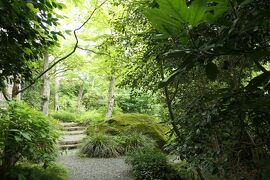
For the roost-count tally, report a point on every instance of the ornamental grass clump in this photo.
(102, 145)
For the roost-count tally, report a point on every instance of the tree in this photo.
(25, 36)
(189, 46)
(45, 89)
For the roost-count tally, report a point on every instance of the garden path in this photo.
(72, 137)
(82, 168)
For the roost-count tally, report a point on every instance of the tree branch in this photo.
(260, 67)
(69, 54)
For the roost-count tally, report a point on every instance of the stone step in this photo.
(75, 128)
(69, 146)
(73, 132)
(68, 124)
(70, 142)
(71, 139)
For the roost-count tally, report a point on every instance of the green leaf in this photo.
(31, 7)
(197, 12)
(186, 65)
(172, 14)
(18, 139)
(27, 51)
(68, 31)
(211, 71)
(258, 81)
(61, 6)
(246, 2)
(26, 135)
(21, 177)
(170, 78)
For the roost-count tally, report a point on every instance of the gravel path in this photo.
(95, 168)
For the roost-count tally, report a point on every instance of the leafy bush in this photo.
(64, 116)
(150, 163)
(26, 132)
(102, 145)
(95, 115)
(133, 140)
(36, 172)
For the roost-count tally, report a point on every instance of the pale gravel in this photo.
(81, 168)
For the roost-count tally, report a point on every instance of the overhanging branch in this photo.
(260, 67)
(69, 54)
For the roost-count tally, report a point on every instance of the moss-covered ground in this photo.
(127, 123)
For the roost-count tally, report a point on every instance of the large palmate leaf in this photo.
(171, 14)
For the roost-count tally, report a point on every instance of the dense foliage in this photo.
(26, 32)
(206, 61)
(212, 57)
(26, 134)
(36, 172)
(150, 163)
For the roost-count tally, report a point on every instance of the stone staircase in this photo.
(72, 136)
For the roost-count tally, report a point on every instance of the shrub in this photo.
(133, 141)
(102, 145)
(26, 132)
(150, 131)
(36, 172)
(95, 115)
(64, 116)
(150, 163)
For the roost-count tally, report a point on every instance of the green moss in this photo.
(151, 130)
(127, 123)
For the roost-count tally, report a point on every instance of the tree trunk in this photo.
(56, 94)
(3, 93)
(15, 89)
(80, 95)
(168, 102)
(110, 98)
(45, 91)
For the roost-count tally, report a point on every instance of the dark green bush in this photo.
(150, 163)
(26, 133)
(102, 145)
(64, 116)
(27, 171)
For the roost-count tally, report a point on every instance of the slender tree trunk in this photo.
(168, 102)
(110, 98)
(56, 94)
(80, 95)
(16, 87)
(9, 87)
(3, 94)
(45, 91)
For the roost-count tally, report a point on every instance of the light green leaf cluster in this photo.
(172, 14)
